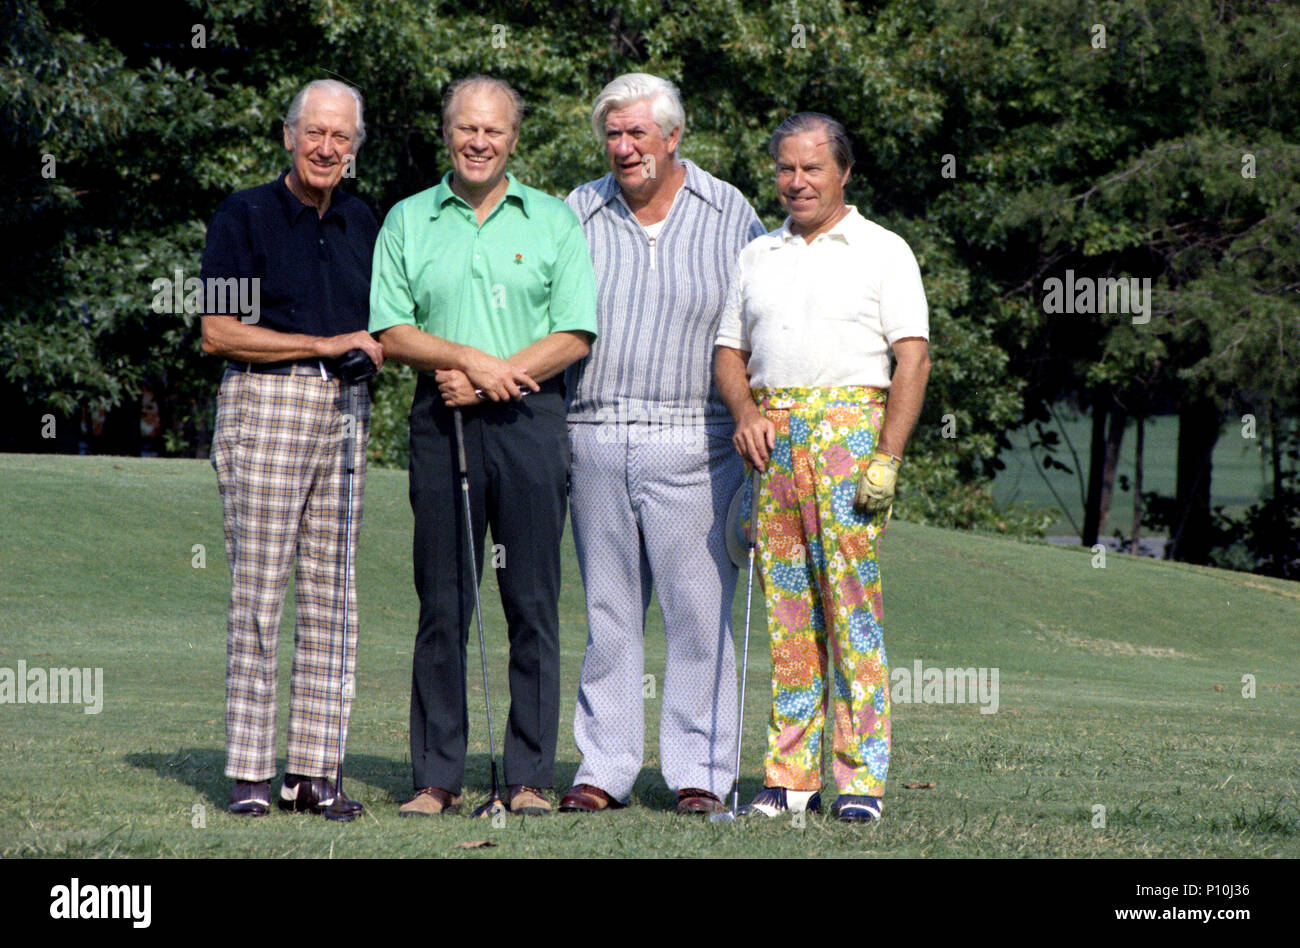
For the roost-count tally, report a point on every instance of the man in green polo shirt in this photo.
(485, 286)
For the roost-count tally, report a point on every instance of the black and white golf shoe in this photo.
(250, 798)
(313, 795)
(852, 808)
(773, 801)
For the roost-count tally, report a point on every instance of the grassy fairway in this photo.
(1119, 687)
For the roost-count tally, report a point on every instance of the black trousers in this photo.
(518, 459)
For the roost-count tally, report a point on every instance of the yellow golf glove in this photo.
(876, 486)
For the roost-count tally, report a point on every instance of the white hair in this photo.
(332, 87)
(631, 87)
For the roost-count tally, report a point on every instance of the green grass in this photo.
(1120, 687)
(1238, 476)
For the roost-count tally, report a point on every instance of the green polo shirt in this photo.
(500, 287)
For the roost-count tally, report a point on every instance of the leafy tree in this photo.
(999, 139)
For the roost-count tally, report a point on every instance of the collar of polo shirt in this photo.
(696, 182)
(443, 194)
(294, 208)
(848, 230)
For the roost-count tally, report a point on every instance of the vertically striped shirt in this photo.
(658, 302)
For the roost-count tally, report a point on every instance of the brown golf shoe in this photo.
(692, 801)
(527, 800)
(430, 801)
(587, 798)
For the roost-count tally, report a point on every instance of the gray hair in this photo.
(633, 87)
(505, 88)
(802, 123)
(332, 87)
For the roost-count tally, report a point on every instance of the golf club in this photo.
(494, 803)
(353, 371)
(751, 534)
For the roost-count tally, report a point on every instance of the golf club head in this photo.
(490, 809)
(725, 817)
(356, 367)
(339, 815)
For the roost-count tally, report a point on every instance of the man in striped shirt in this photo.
(652, 473)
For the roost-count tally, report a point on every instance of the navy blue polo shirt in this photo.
(313, 272)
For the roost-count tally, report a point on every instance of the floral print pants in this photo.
(818, 565)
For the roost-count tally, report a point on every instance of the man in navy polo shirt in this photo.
(278, 448)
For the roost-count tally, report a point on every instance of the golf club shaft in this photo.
(749, 601)
(478, 606)
(349, 448)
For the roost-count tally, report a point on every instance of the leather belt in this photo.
(323, 368)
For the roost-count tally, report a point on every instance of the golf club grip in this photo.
(350, 433)
(460, 440)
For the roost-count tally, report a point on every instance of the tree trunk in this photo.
(1114, 439)
(1281, 513)
(1275, 448)
(1138, 450)
(1198, 431)
(202, 435)
(1096, 465)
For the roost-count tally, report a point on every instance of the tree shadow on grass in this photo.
(203, 769)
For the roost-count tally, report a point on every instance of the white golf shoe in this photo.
(773, 801)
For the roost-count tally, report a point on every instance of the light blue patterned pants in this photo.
(648, 506)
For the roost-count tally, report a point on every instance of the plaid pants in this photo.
(279, 456)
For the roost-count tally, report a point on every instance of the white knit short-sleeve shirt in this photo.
(824, 314)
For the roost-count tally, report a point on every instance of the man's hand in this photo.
(455, 387)
(331, 347)
(499, 380)
(876, 486)
(755, 438)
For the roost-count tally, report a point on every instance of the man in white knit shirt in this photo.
(803, 364)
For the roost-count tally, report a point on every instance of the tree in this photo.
(999, 139)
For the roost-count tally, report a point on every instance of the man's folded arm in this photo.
(552, 354)
(420, 350)
(231, 338)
